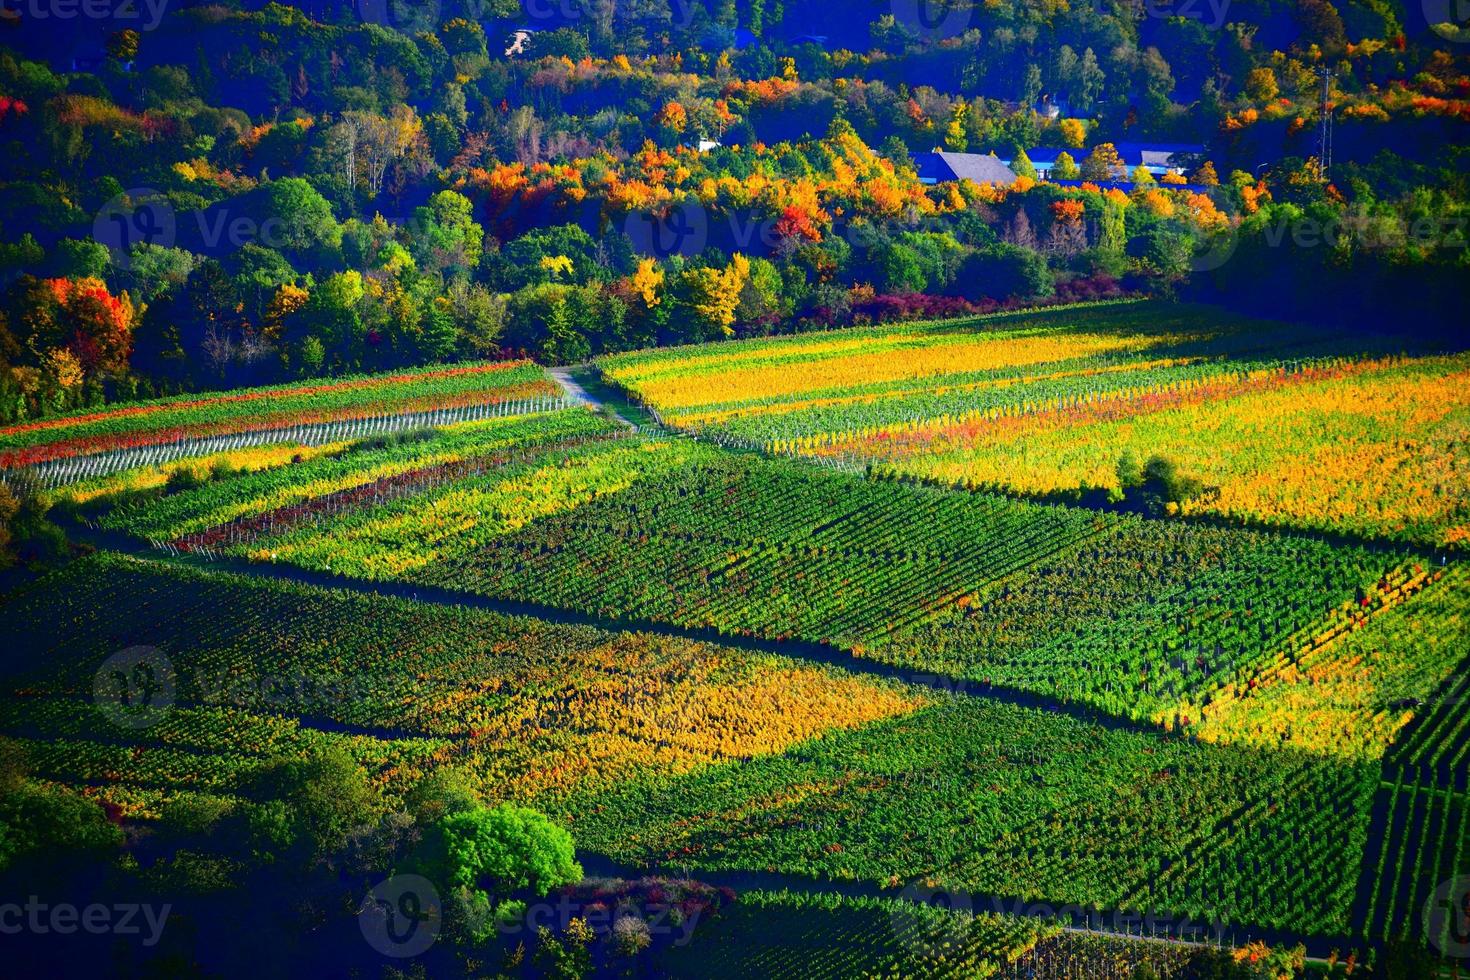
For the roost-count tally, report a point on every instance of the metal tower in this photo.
(1324, 125)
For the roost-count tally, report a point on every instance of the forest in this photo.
(199, 196)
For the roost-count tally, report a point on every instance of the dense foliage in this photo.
(225, 194)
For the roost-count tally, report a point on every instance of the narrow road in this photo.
(582, 384)
(574, 390)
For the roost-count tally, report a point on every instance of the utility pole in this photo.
(1324, 126)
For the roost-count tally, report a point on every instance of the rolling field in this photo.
(527, 710)
(729, 662)
(1130, 615)
(1282, 426)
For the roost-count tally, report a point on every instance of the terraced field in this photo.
(859, 687)
(1283, 426)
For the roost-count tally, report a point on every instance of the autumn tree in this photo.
(713, 295)
(1260, 84)
(1073, 133)
(80, 317)
(646, 282)
(1103, 163)
(1205, 176)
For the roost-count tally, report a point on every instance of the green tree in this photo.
(47, 822)
(446, 235)
(502, 850)
(298, 221)
(896, 269)
(153, 270)
(1022, 165)
(1031, 86)
(1002, 271)
(1090, 81)
(81, 259)
(324, 796)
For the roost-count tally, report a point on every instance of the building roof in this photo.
(1154, 155)
(982, 168)
(1128, 186)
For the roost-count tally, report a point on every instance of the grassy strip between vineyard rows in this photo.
(250, 459)
(1422, 843)
(168, 420)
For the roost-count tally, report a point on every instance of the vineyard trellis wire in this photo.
(63, 472)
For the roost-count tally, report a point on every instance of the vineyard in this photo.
(992, 800)
(1351, 691)
(271, 488)
(1421, 837)
(788, 935)
(790, 388)
(1281, 427)
(1129, 615)
(529, 710)
(255, 409)
(869, 618)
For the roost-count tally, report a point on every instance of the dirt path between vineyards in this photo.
(563, 377)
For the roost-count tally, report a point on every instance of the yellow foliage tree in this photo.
(714, 294)
(646, 281)
(1102, 163)
(1073, 132)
